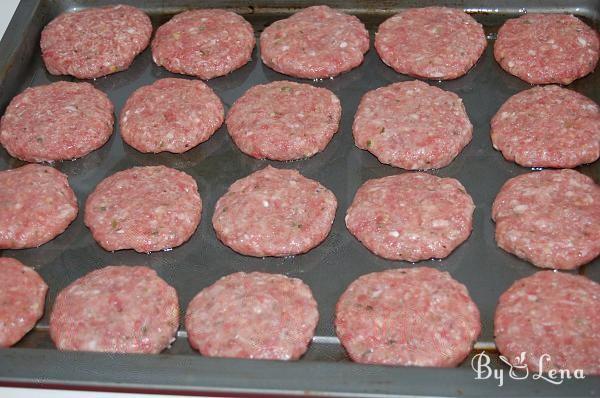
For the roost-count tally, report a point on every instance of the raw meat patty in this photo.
(409, 317)
(412, 125)
(95, 42)
(547, 48)
(171, 115)
(58, 121)
(551, 313)
(204, 43)
(255, 315)
(36, 205)
(411, 216)
(316, 42)
(431, 42)
(144, 208)
(274, 212)
(22, 296)
(550, 218)
(284, 120)
(548, 127)
(120, 309)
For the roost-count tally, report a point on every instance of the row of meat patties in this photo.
(411, 125)
(411, 317)
(318, 42)
(550, 218)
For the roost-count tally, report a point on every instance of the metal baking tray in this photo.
(325, 370)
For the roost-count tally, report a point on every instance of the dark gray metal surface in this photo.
(325, 370)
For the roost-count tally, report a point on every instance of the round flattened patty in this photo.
(548, 127)
(204, 43)
(36, 205)
(284, 120)
(22, 296)
(412, 125)
(58, 121)
(171, 115)
(274, 212)
(95, 42)
(409, 317)
(255, 315)
(316, 42)
(547, 48)
(120, 309)
(550, 218)
(144, 208)
(411, 216)
(554, 318)
(431, 42)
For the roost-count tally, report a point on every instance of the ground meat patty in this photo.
(550, 218)
(95, 42)
(255, 315)
(171, 115)
(22, 296)
(547, 48)
(412, 125)
(274, 212)
(548, 127)
(316, 42)
(410, 317)
(204, 43)
(411, 216)
(432, 42)
(58, 121)
(284, 120)
(553, 314)
(144, 208)
(120, 309)
(36, 205)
